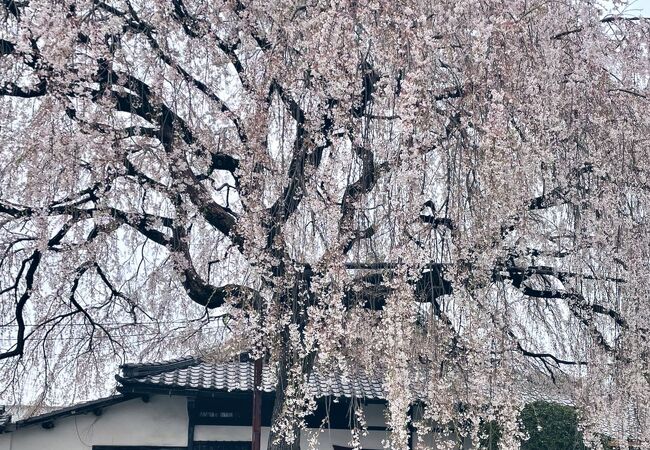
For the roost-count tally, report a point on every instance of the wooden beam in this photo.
(190, 422)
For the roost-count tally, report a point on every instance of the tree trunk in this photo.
(276, 441)
(287, 360)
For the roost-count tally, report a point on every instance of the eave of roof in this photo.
(146, 389)
(94, 406)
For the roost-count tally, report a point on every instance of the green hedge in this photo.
(550, 426)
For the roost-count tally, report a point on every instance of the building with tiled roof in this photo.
(189, 403)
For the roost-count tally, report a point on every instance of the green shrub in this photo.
(551, 427)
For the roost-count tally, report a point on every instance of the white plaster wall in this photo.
(226, 433)
(5, 442)
(339, 437)
(325, 438)
(161, 421)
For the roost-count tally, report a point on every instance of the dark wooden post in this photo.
(257, 405)
(191, 412)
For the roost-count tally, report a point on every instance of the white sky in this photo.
(643, 5)
(637, 7)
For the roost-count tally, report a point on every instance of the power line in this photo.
(97, 336)
(163, 322)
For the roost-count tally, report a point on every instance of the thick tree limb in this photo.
(19, 346)
(287, 203)
(13, 90)
(608, 19)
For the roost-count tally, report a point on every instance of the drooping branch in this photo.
(195, 29)
(554, 358)
(519, 275)
(608, 19)
(6, 47)
(12, 7)
(201, 291)
(303, 154)
(81, 270)
(149, 31)
(371, 290)
(370, 173)
(169, 124)
(32, 262)
(13, 90)
(432, 219)
(369, 80)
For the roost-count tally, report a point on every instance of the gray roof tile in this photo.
(238, 376)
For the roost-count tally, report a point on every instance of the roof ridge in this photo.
(134, 370)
